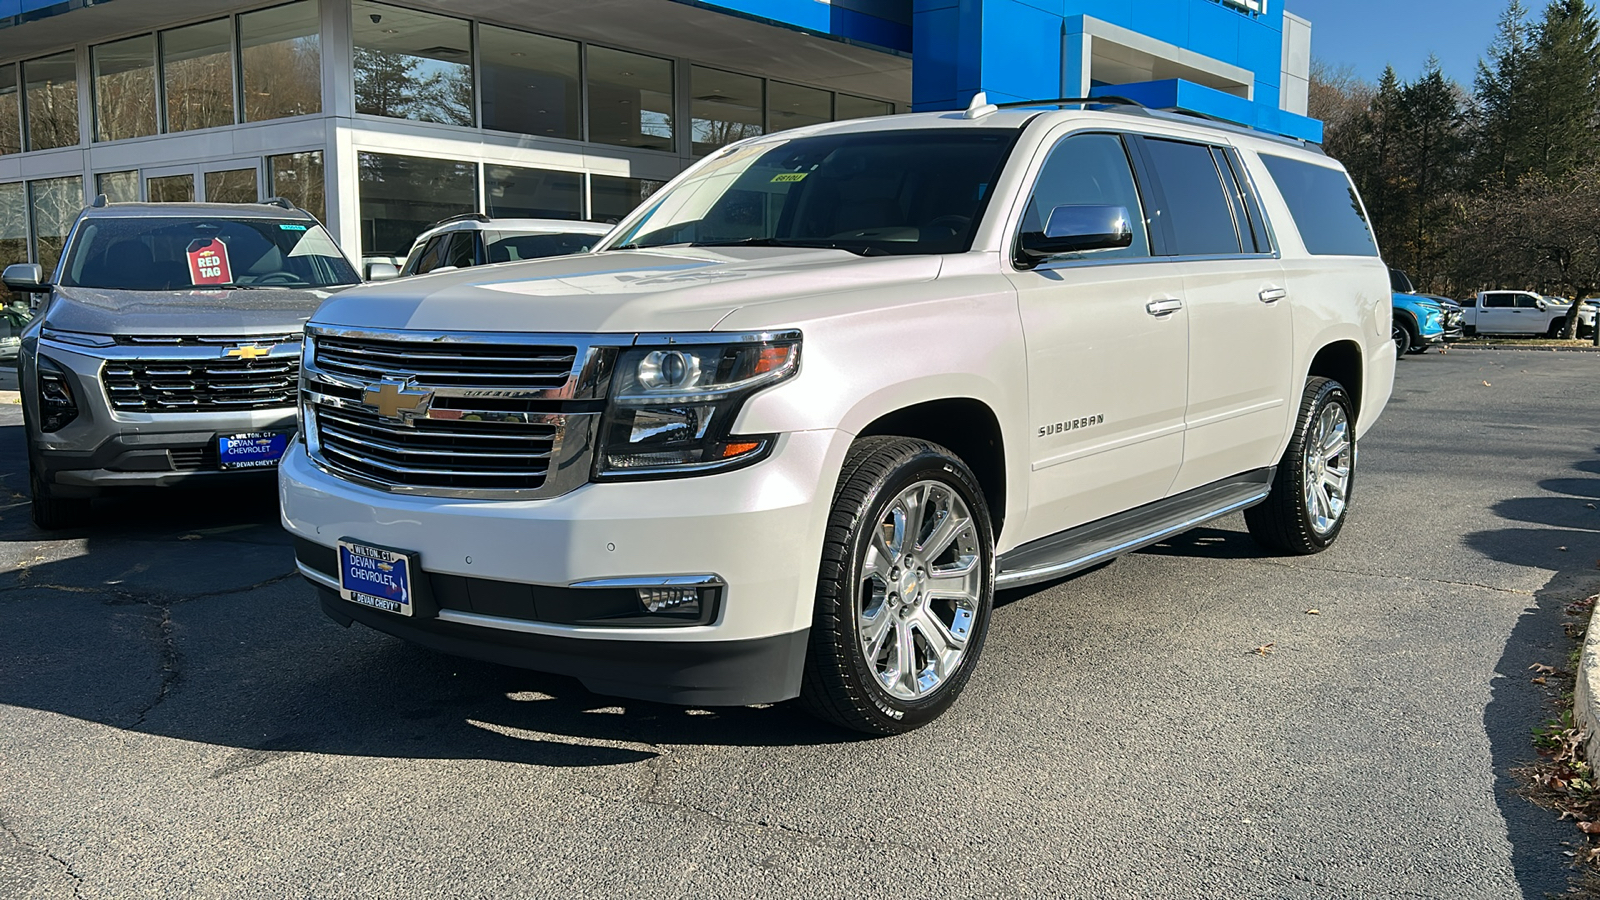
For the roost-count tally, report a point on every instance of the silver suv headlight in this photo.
(674, 399)
(78, 338)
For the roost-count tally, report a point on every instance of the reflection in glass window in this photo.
(297, 178)
(124, 88)
(611, 198)
(1088, 170)
(1324, 206)
(197, 72)
(231, 186)
(10, 111)
(13, 234)
(723, 108)
(402, 195)
(515, 192)
(630, 99)
(280, 53)
(412, 65)
(119, 187)
(1196, 212)
(54, 203)
(792, 106)
(51, 85)
(529, 83)
(848, 107)
(170, 189)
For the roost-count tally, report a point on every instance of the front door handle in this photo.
(1273, 295)
(1165, 306)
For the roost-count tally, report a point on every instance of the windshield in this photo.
(162, 253)
(873, 193)
(506, 247)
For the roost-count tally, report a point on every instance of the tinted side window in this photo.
(1325, 207)
(1194, 207)
(1088, 170)
(460, 253)
(426, 259)
(1497, 301)
(1527, 301)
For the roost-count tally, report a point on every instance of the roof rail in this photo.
(464, 217)
(279, 202)
(1107, 100)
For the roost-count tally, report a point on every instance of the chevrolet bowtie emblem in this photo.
(248, 351)
(391, 398)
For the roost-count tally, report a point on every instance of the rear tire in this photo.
(52, 513)
(1404, 338)
(905, 589)
(1311, 492)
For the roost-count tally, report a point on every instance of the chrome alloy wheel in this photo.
(920, 588)
(1328, 461)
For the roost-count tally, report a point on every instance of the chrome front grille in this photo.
(194, 385)
(492, 416)
(453, 364)
(437, 453)
(206, 340)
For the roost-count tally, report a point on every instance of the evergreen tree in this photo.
(1502, 99)
(1431, 159)
(1563, 76)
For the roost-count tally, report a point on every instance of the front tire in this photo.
(905, 589)
(1311, 493)
(51, 513)
(1403, 338)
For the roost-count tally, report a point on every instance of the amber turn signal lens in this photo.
(729, 451)
(772, 358)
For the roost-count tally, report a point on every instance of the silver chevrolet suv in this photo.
(166, 347)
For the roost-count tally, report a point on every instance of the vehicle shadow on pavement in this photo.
(179, 614)
(1569, 544)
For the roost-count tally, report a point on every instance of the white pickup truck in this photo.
(785, 431)
(1521, 312)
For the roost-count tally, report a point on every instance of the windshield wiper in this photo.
(859, 249)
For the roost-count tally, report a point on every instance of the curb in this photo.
(10, 397)
(1457, 348)
(1586, 694)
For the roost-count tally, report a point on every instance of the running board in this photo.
(1076, 549)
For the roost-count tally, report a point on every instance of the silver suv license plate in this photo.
(375, 577)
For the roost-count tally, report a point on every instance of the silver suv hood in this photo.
(688, 289)
(99, 311)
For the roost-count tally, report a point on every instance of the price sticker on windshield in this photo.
(208, 262)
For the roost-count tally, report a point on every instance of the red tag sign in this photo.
(208, 262)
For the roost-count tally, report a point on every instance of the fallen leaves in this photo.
(1487, 384)
(1543, 669)
(1265, 649)
(1313, 612)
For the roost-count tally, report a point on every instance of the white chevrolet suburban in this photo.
(789, 427)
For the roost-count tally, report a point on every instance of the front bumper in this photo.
(496, 568)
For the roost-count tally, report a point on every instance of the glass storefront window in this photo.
(231, 186)
(124, 88)
(297, 178)
(792, 106)
(10, 111)
(170, 189)
(532, 193)
(51, 86)
(197, 72)
(402, 195)
(119, 187)
(723, 108)
(280, 56)
(412, 65)
(611, 198)
(54, 204)
(630, 99)
(529, 83)
(13, 235)
(848, 107)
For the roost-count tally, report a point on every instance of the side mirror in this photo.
(382, 271)
(1541, 303)
(25, 278)
(1077, 229)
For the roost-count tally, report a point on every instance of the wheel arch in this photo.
(1341, 360)
(969, 428)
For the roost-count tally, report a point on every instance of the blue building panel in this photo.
(1215, 31)
(1021, 51)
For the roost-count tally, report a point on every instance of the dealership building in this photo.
(383, 117)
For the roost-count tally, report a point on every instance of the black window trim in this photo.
(1251, 196)
(1148, 176)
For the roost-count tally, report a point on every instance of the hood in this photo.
(688, 289)
(101, 311)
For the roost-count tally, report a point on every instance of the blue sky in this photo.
(1369, 34)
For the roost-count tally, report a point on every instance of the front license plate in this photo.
(256, 450)
(375, 577)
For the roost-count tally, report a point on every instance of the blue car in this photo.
(1419, 320)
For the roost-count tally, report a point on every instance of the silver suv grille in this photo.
(206, 340)
(190, 385)
(485, 415)
(512, 365)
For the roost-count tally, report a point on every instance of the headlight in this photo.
(673, 405)
(57, 406)
(77, 337)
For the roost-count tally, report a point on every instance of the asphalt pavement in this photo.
(178, 719)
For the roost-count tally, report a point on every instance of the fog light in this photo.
(684, 600)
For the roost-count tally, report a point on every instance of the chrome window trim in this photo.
(167, 352)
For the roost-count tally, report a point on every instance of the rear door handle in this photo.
(1163, 307)
(1273, 295)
